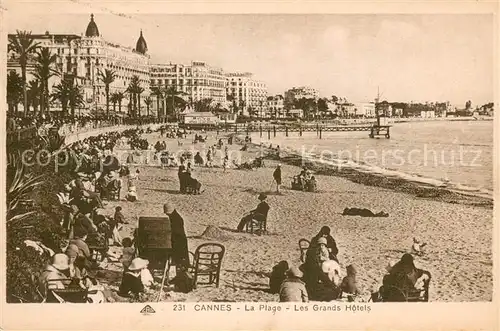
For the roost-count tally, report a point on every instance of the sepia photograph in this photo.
(314, 161)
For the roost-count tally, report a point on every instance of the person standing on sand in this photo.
(277, 177)
(179, 238)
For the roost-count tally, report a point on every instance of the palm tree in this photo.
(34, 89)
(24, 45)
(14, 90)
(158, 93)
(148, 101)
(61, 93)
(108, 77)
(132, 89)
(174, 95)
(75, 97)
(43, 72)
(114, 100)
(119, 97)
(138, 92)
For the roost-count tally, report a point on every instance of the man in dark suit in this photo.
(259, 214)
(179, 238)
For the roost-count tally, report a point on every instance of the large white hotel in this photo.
(82, 57)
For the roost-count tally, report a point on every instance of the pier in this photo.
(272, 129)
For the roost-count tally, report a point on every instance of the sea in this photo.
(451, 154)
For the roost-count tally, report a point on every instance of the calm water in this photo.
(458, 152)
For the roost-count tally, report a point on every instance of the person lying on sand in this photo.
(363, 212)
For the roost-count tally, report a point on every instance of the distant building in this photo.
(197, 80)
(398, 112)
(276, 106)
(250, 95)
(297, 93)
(364, 109)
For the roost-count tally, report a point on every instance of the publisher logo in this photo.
(147, 310)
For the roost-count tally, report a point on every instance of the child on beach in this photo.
(127, 254)
(116, 224)
(293, 289)
(349, 284)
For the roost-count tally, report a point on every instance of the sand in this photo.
(458, 236)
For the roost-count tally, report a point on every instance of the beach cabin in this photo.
(427, 114)
(296, 113)
(227, 118)
(205, 118)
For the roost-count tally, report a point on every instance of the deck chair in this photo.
(389, 293)
(70, 293)
(207, 264)
(303, 247)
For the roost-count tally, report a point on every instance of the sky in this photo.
(418, 57)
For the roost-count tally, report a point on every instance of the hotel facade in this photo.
(82, 57)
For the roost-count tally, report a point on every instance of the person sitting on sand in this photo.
(293, 288)
(404, 275)
(131, 285)
(363, 212)
(330, 242)
(259, 214)
(278, 275)
(349, 284)
(198, 160)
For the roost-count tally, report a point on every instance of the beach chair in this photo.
(303, 247)
(207, 264)
(258, 227)
(71, 292)
(391, 293)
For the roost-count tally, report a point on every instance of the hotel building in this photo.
(248, 94)
(197, 80)
(82, 57)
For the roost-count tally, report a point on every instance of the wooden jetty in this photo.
(263, 128)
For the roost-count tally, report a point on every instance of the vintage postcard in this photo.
(279, 165)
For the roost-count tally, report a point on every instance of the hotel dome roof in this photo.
(141, 45)
(92, 30)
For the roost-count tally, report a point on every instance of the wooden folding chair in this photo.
(207, 264)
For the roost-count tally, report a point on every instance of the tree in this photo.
(335, 99)
(44, 70)
(322, 105)
(34, 90)
(75, 98)
(119, 97)
(14, 90)
(158, 93)
(61, 93)
(138, 93)
(107, 77)
(172, 94)
(148, 101)
(133, 89)
(203, 105)
(24, 45)
(114, 101)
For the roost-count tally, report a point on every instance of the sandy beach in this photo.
(458, 236)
